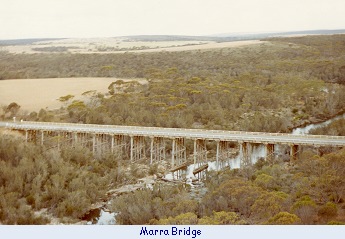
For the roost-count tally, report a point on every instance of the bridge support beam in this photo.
(67, 138)
(42, 137)
(137, 148)
(88, 138)
(100, 144)
(58, 141)
(178, 156)
(151, 149)
(112, 144)
(200, 157)
(47, 138)
(270, 153)
(157, 149)
(217, 156)
(30, 136)
(118, 145)
(75, 139)
(294, 152)
(223, 154)
(94, 144)
(245, 149)
(105, 146)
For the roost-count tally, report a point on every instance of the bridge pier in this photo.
(48, 139)
(151, 149)
(245, 149)
(100, 144)
(223, 154)
(270, 153)
(94, 144)
(118, 145)
(75, 139)
(112, 144)
(67, 138)
(178, 156)
(217, 155)
(85, 140)
(157, 149)
(200, 157)
(42, 137)
(294, 152)
(137, 148)
(30, 136)
(58, 141)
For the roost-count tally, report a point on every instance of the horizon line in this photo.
(216, 35)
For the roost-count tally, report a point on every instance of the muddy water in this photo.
(99, 216)
(306, 129)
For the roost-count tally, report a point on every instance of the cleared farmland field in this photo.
(34, 94)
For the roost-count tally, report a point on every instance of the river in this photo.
(99, 216)
(306, 129)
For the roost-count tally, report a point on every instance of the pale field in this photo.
(35, 94)
(206, 46)
(113, 45)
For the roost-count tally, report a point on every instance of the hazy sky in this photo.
(108, 18)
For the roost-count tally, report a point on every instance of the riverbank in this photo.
(317, 122)
(100, 213)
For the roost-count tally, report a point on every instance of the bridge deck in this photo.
(231, 136)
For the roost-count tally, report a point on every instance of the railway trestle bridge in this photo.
(180, 147)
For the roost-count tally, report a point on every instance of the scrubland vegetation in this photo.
(272, 87)
(66, 182)
(310, 192)
(336, 128)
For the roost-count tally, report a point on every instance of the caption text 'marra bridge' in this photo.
(173, 232)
